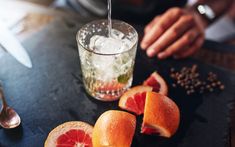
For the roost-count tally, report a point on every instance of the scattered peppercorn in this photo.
(190, 80)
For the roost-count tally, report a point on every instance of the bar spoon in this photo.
(8, 117)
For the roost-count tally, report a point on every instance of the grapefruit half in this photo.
(114, 129)
(70, 134)
(133, 100)
(157, 82)
(161, 115)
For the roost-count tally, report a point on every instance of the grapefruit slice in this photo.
(161, 115)
(70, 134)
(109, 91)
(114, 129)
(133, 100)
(111, 86)
(157, 82)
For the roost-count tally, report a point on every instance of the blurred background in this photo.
(223, 30)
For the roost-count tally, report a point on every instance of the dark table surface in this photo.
(52, 93)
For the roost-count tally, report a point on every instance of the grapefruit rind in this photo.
(114, 128)
(163, 86)
(161, 113)
(51, 140)
(157, 130)
(129, 95)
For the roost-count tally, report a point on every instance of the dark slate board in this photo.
(52, 93)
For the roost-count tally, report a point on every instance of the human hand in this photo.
(178, 33)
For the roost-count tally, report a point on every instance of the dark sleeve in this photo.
(142, 14)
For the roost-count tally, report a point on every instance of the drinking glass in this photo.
(107, 75)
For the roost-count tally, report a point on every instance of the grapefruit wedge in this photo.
(70, 134)
(161, 115)
(114, 129)
(133, 100)
(157, 82)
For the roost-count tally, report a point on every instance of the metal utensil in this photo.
(8, 117)
(13, 46)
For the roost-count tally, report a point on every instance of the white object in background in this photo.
(221, 29)
(191, 2)
(10, 19)
(13, 46)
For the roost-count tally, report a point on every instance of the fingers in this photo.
(165, 21)
(151, 24)
(171, 35)
(186, 40)
(192, 49)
